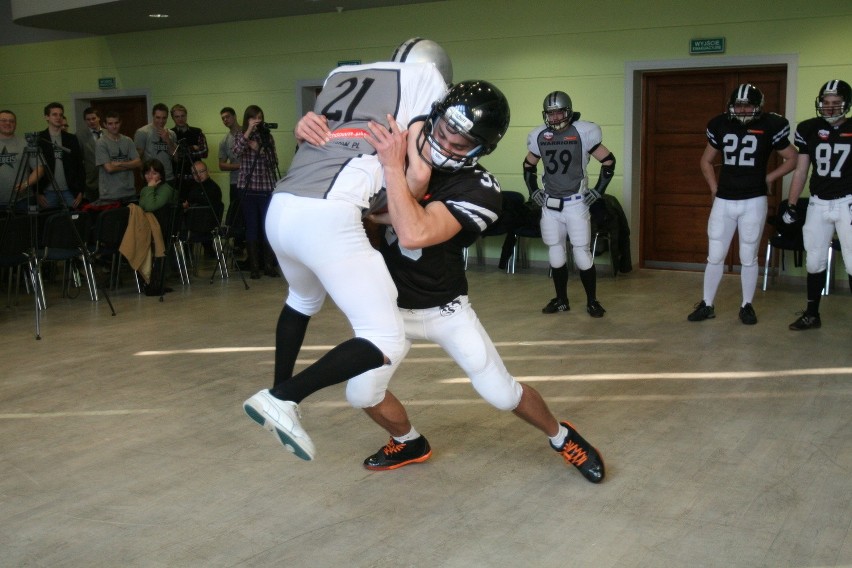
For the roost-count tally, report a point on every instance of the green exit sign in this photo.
(707, 45)
(106, 83)
(349, 62)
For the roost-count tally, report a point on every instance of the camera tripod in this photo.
(33, 160)
(184, 154)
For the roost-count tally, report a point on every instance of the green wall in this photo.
(527, 49)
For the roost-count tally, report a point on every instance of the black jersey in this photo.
(745, 152)
(829, 149)
(432, 276)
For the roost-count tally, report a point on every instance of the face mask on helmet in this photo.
(745, 103)
(835, 107)
(419, 50)
(440, 157)
(557, 110)
(464, 126)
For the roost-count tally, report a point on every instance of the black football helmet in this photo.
(419, 50)
(834, 113)
(475, 109)
(745, 94)
(555, 102)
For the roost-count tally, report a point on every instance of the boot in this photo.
(270, 262)
(254, 259)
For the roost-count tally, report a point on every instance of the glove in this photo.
(591, 196)
(538, 197)
(790, 215)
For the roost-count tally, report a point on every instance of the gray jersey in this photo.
(117, 185)
(153, 147)
(59, 165)
(11, 153)
(565, 156)
(346, 167)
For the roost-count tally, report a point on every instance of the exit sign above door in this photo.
(707, 45)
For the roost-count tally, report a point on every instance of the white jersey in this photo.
(346, 168)
(565, 155)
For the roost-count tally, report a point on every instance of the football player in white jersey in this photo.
(314, 226)
(564, 144)
(745, 137)
(826, 143)
(424, 252)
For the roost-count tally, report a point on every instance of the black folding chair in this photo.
(65, 240)
(110, 227)
(201, 225)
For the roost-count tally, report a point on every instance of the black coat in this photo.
(75, 172)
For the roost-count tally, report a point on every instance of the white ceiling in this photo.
(104, 17)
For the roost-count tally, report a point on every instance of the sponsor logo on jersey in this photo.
(823, 134)
(846, 134)
(750, 131)
(348, 133)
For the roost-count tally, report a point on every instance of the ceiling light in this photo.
(158, 15)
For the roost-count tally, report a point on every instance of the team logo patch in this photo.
(450, 308)
(548, 136)
(823, 134)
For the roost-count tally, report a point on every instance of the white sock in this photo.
(412, 435)
(558, 440)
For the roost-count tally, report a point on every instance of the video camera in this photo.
(32, 141)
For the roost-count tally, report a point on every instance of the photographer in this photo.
(258, 174)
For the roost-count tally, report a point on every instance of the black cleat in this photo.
(702, 312)
(582, 455)
(806, 321)
(595, 309)
(397, 454)
(747, 315)
(556, 305)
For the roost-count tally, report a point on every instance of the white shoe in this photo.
(281, 417)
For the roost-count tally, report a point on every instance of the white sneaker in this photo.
(281, 417)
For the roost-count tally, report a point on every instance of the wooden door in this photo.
(675, 199)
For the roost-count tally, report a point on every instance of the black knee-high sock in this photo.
(816, 282)
(347, 360)
(560, 281)
(589, 278)
(289, 336)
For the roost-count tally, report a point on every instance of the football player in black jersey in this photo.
(826, 143)
(744, 137)
(424, 251)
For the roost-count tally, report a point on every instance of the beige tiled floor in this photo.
(123, 442)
